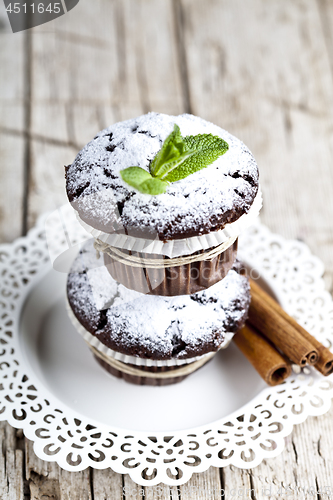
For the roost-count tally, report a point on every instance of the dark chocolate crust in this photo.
(155, 327)
(203, 202)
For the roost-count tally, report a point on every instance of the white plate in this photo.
(60, 359)
(80, 416)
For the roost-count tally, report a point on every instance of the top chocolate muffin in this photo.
(203, 202)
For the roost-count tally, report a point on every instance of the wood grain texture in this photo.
(137, 72)
(206, 486)
(304, 469)
(13, 116)
(268, 80)
(107, 484)
(11, 463)
(263, 71)
(13, 112)
(238, 484)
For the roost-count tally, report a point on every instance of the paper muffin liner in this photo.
(177, 248)
(133, 360)
(183, 279)
(148, 376)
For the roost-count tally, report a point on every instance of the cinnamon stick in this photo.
(272, 366)
(325, 357)
(272, 324)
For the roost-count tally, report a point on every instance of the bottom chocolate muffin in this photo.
(149, 330)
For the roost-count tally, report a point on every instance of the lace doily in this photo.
(244, 438)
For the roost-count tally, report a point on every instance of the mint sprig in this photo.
(173, 152)
(178, 158)
(143, 181)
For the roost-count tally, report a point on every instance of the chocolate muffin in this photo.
(148, 339)
(179, 234)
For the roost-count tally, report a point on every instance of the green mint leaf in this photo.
(153, 186)
(178, 158)
(142, 180)
(134, 176)
(172, 150)
(207, 148)
(171, 165)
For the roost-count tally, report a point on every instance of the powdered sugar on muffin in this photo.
(157, 327)
(202, 202)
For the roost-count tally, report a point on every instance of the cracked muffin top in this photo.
(198, 204)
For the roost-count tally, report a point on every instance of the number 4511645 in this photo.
(17, 8)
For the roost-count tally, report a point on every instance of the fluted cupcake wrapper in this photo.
(170, 281)
(93, 341)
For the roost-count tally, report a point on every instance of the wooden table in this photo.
(261, 69)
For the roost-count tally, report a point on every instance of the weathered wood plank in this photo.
(75, 485)
(47, 178)
(262, 72)
(151, 56)
(137, 72)
(131, 490)
(159, 492)
(65, 96)
(42, 477)
(12, 125)
(12, 180)
(11, 477)
(237, 483)
(36, 466)
(305, 466)
(204, 486)
(12, 152)
(11, 465)
(47, 479)
(107, 484)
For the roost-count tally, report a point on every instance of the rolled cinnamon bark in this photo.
(272, 366)
(325, 356)
(272, 324)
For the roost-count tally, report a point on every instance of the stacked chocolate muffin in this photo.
(158, 288)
